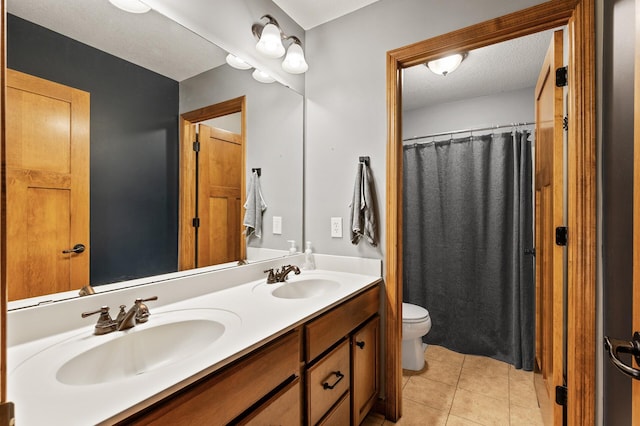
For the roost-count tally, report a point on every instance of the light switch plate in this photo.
(277, 225)
(336, 227)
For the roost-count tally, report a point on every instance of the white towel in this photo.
(363, 217)
(254, 206)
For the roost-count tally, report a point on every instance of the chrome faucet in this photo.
(138, 313)
(280, 275)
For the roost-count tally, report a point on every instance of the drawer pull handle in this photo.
(339, 375)
(360, 344)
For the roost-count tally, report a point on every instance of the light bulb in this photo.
(237, 63)
(446, 65)
(131, 6)
(294, 62)
(270, 43)
(262, 76)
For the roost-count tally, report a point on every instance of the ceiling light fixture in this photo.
(446, 65)
(236, 62)
(270, 38)
(131, 6)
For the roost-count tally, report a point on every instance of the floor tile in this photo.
(443, 354)
(441, 371)
(459, 421)
(428, 392)
(416, 414)
(523, 416)
(480, 408)
(491, 382)
(522, 391)
(373, 419)
(487, 365)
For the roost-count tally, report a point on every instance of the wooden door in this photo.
(548, 216)
(47, 166)
(220, 196)
(365, 349)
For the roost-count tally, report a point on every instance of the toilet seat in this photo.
(413, 313)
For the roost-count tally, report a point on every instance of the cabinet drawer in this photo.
(283, 409)
(220, 398)
(327, 381)
(323, 332)
(339, 416)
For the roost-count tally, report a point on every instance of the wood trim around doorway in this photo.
(581, 319)
(186, 202)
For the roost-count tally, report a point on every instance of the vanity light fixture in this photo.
(270, 38)
(294, 62)
(131, 6)
(446, 65)
(262, 76)
(236, 62)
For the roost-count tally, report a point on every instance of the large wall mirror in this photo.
(138, 73)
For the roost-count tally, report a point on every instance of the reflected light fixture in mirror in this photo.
(262, 76)
(446, 65)
(270, 37)
(236, 62)
(131, 6)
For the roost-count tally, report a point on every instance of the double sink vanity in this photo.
(218, 347)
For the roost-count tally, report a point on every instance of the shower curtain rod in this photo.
(479, 129)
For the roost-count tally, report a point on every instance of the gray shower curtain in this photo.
(467, 220)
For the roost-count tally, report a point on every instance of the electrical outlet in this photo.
(336, 227)
(277, 225)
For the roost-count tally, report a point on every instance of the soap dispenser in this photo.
(292, 247)
(309, 263)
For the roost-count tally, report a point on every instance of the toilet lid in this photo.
(413, 313)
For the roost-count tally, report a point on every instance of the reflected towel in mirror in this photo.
(363, 215)
(254, 206)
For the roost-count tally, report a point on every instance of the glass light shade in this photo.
(237, 63)
(446, 65)
(294, 62)
(131, 6)
(270, 43)
(262, 76)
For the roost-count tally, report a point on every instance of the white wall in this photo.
(346, 101)
(487, 111)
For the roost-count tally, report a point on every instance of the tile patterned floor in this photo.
(465, 390)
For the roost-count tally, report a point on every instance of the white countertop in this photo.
(252, 316)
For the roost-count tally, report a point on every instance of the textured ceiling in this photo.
(502, 67)
(148, 39)
(311, 13)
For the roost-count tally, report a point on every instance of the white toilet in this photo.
(416, 322)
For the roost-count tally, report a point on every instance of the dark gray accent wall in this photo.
(617, 182)
(134, 149)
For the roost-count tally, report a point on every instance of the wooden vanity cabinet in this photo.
(365, 361)
(341, 377)
(323, 373)
(225, 395)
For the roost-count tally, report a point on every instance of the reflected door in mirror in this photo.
(220, 196)
(47, 166)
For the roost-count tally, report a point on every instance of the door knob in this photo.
(78, 248)
(615, 346)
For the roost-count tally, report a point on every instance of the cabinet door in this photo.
(283, 409)
(365, 355)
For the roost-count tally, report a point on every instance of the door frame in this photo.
(187, 177)
(578, 16)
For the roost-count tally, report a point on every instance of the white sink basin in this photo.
(140, 351)
(299, 288)
(169, 340)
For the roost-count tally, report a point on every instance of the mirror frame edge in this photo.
(579, 16)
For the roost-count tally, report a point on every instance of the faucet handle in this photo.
(105, 324)
(142, 314)
(271, 278)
